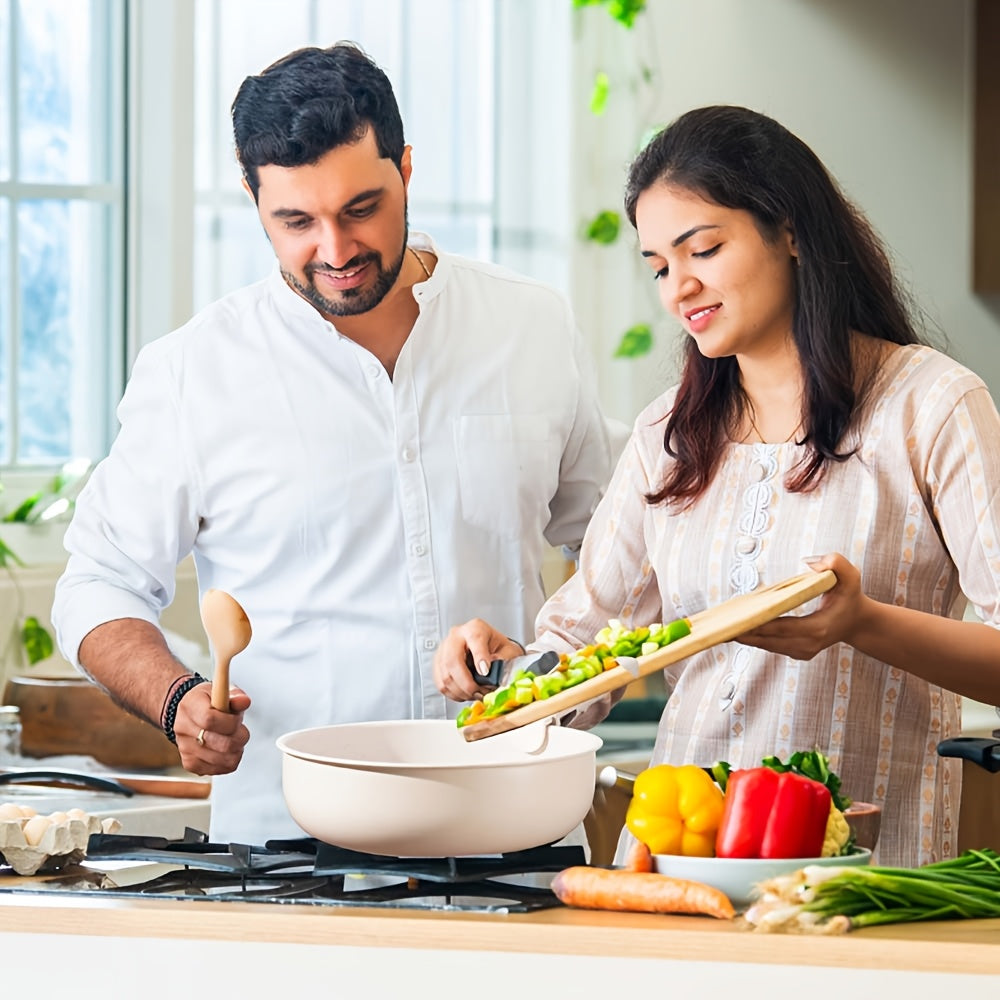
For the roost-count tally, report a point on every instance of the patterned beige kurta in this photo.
(917, 509)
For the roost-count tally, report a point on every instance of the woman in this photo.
(808, 419)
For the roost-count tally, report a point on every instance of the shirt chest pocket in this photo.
(507, 471)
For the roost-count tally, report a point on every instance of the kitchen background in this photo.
(121, 211)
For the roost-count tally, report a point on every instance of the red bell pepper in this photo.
(769, 814)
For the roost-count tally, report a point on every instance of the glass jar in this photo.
(10, 733)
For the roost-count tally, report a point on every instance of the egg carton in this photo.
(33, 843)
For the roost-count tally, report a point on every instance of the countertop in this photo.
(257, 947)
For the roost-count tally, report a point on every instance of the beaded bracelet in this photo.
(170, 712)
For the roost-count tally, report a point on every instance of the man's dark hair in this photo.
(310, 102)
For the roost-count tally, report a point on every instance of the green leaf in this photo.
(626, 11)
(37, 641)
(604, 227)
(8, 555)
(636, 341)
(20, 514)
(599, 93)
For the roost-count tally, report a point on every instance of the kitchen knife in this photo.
(120, 784)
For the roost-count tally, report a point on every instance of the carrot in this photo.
(640, 858)
(643, 892)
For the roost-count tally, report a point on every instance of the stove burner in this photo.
(306, 871)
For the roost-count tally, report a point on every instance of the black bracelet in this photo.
(521, 644)
(175, 699)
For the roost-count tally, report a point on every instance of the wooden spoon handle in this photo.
(220, 686)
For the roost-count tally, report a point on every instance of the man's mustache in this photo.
(353, 264)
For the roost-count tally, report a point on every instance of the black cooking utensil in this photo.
(980, 750)
(532, 662)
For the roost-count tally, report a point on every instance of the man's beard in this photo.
(352, 301)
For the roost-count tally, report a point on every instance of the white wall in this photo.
(881, 90)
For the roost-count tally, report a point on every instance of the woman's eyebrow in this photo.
(680, 239)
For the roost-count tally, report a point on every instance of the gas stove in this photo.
(306, 872)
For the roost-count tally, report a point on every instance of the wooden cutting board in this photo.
(711, 627)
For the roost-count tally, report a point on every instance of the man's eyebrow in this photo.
(293, 213)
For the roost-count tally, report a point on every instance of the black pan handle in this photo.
(980, 750)
(64, 779)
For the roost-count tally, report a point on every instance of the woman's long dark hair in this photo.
(741, 159)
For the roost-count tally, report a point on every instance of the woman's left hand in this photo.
(839, 612)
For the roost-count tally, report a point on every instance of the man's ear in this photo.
(248, 189)
(405, 166)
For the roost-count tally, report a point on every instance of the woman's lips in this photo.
(699, 319)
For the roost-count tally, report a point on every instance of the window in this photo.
(92, 269)
(61, 227)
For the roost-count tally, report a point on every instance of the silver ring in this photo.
(201, 737)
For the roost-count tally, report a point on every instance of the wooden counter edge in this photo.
(952, 946)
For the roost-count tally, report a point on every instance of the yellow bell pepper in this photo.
(675, 810)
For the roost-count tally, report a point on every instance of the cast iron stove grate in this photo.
(306, 871)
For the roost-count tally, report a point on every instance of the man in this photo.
(372, 443)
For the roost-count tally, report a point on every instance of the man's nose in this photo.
(335, 246)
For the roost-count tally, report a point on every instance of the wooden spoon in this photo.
(228, 630)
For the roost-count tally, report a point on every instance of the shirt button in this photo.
(374, 371)
(407, 454)
(430, 643)
(419, 550)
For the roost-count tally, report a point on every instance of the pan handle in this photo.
(611, 777)
(62, 779)
(980, 750)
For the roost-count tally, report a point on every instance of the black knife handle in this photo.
(539, 664)
(980, 750)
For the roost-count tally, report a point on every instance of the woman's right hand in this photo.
(476, 641)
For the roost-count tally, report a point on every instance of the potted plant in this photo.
(29, 640)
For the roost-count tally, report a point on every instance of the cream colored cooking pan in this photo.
(711, 627)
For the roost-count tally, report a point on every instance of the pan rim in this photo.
(521, 759)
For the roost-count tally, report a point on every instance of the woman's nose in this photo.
(680, 287)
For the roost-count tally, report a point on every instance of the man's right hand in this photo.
(476, 641)
(210, 741)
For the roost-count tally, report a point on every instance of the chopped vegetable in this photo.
(612, 642)
(772, 815)
(837, 899)
(675, 810)
(644, 892)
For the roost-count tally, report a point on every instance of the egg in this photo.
(9, 811)
(76, 814)
(57, 817)
(35, 829)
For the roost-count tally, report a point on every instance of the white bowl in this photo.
(738, 877)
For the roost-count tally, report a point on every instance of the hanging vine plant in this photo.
(605, 227)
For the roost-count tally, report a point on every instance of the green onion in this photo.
(833, 900)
